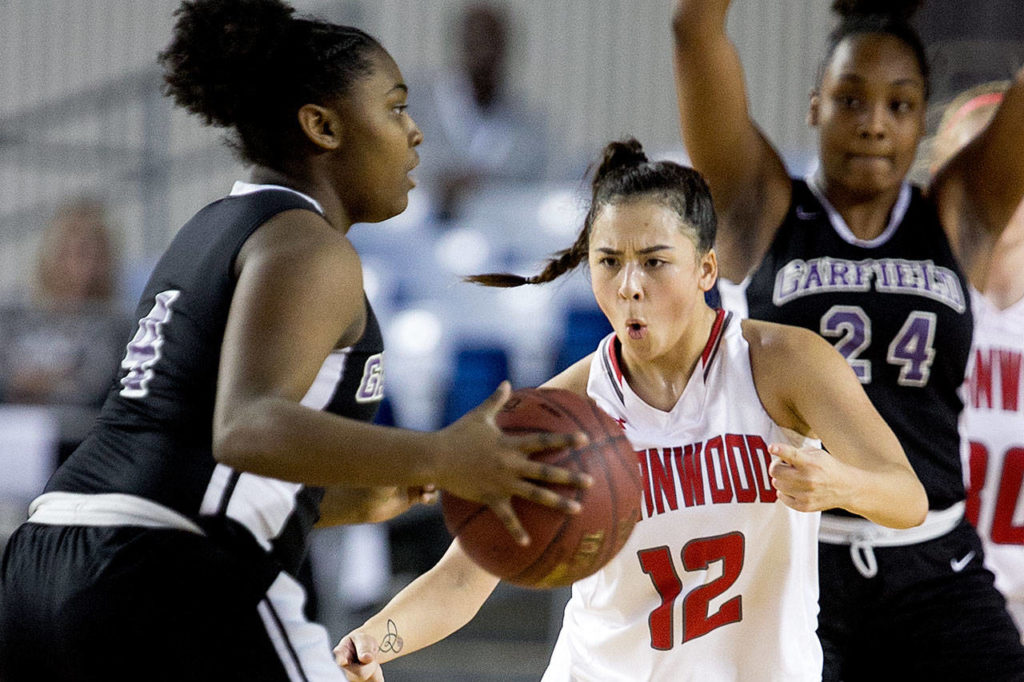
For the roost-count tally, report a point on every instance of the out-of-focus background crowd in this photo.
(514, 97)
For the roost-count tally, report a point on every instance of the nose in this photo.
(874, 121)
(631, 286)
(415, 135)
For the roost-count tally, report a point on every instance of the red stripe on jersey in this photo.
(716, 331)
(613, 356)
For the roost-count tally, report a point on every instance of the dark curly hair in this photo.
(250, 64)
(625, 173)
(888, 17)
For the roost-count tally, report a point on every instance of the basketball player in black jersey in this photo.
(879, 267)
(164, 548)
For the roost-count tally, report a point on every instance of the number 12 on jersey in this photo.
(697, 555)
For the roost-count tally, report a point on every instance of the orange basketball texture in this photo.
(563, 547)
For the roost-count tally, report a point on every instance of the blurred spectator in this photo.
(62, 346)
(475, 129)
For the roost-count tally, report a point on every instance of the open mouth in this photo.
(636, 330)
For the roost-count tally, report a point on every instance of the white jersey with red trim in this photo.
(719, 581)
(993, 429)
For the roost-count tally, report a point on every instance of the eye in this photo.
(652, 263)
(607, 261)
(400, 109)
(849, 102)
(901, 106)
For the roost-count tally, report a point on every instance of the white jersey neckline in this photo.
(241, 187)
(899, 210)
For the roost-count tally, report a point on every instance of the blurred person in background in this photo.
(62, 346)
(993, 420)
(476, 129)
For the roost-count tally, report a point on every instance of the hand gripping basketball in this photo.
(564, 548)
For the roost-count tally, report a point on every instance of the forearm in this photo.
(345, 505)
(432, 607)
(693, 19)
(282, 439)
(890, 496)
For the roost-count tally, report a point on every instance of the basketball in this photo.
(563, 547)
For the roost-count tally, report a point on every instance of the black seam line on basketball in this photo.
(577, 458)
(229, 490)
(284, 636)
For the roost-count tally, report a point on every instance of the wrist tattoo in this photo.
(391, 642)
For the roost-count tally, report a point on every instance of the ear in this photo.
(708, 268)
(814, 108)
(321, 125)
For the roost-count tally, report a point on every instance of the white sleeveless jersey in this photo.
(993, 430)
(718, 582)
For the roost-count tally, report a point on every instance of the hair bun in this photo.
(221, 52)
(903, 9)
(627, 153)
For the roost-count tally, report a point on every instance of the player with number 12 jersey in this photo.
(735, 597)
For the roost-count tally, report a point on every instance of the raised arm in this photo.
(982, 185)
(429, 609)
(749, 183)
(299, 295)
(864, 469)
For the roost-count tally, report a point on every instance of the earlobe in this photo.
(813, 109)
(708, 270)
(321, 125)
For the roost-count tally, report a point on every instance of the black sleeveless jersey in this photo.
(153, 438)
(897, 308)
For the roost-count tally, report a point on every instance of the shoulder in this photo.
(575, 378)
(771, 340)
(784, 358)
(303, 235)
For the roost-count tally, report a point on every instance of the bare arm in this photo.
(748, 180)
(343, 505)
(982, 185)
(413, 617)
(299, 295)
(429, 609)
(865, 470)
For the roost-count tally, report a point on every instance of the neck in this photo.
(866, 214)
(659, 381)
(312, 186)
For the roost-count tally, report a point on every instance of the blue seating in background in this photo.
(583, 329)
(476, 372)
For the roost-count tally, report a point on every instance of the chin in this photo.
(384, 213)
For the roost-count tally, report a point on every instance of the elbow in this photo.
(244, 438)
(913, 508)
(919, 509)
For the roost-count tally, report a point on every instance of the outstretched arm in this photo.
(864, 470)
(982, 185)
(748, 180)
(429, 609)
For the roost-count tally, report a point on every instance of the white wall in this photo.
(75, 116)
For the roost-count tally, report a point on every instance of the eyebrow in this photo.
(644, 252)
(401, 87)
(855, 78)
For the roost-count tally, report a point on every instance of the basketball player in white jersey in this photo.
(718, 581)
(993, 418)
